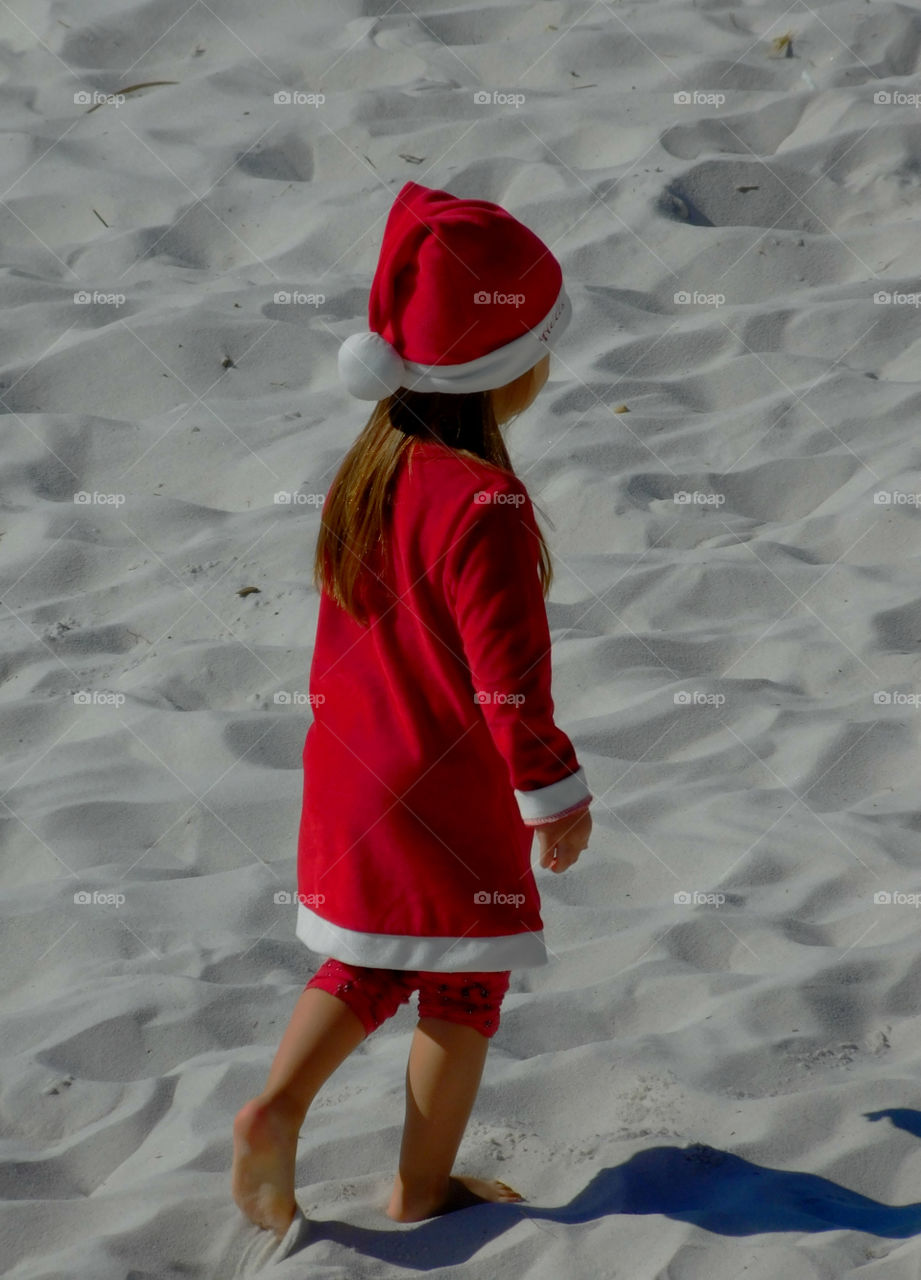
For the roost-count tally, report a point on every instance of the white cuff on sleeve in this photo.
(547, 802)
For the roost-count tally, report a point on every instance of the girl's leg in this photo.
(322, 1032)
(442, 1078)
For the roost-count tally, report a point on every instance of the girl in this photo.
(433, 753)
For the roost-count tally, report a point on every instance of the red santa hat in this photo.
(464, 298)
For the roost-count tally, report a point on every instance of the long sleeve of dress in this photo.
(491, 575)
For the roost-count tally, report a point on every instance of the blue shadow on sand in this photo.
(712, 1189)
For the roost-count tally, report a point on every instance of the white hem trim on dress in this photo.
(401, 951)
(547, 802)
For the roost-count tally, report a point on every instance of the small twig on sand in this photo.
(133, 88)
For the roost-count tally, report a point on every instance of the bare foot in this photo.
(264, 1149)
(462, 1193)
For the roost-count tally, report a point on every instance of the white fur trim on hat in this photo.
(368, 363)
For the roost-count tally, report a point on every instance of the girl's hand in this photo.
(561, 842)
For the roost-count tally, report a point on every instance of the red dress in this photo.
(433, 751)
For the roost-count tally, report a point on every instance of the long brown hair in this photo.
(355, 513)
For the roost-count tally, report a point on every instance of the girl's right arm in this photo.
(495, 595)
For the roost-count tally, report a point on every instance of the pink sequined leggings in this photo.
(375, 994)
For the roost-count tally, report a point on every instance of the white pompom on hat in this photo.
(464, 298)
(370, 367)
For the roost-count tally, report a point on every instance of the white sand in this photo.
(689, 1090)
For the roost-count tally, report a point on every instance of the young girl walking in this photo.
(433, 755)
